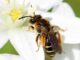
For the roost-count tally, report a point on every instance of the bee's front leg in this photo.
(30, 28)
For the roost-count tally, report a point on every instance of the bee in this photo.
(48, 35)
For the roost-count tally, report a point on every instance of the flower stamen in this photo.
(15, 14)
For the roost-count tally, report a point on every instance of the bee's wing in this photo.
(57, 42)
(54, 40)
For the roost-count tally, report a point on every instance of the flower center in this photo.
(15, 14)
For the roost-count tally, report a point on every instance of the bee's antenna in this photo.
(25, 17)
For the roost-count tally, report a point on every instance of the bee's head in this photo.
(35, 18)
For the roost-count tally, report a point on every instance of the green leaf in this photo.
(8, 48)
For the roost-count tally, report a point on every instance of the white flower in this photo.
(11, 29)
(24, 41)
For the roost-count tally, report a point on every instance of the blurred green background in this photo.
(75, 4)
(8, 47)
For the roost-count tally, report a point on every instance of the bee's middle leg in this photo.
(37, 38)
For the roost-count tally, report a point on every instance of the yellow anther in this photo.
(15, 14)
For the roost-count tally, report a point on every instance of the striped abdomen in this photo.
(49, 49)
(52, 44)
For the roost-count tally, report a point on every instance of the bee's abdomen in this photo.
(49, 50)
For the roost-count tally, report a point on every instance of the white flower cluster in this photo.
(24, 41)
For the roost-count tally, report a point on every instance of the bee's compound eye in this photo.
(32, 21)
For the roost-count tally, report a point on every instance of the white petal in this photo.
(10, 57)
(3, 7)
(70, 52)
(72, 35)
(76, 53)
(3, 39)
(2, 3)
(71, 26)
(45, 4)
(6, 23)
(64, 9)
(24, 43)
(18, 3)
